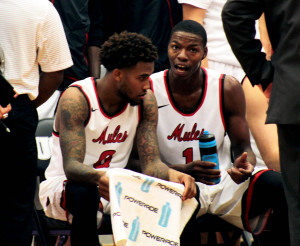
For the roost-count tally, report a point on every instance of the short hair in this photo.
(191, 26)
(126, 50)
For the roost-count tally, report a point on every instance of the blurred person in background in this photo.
(282, 72)
(32, 40)
(82, 22)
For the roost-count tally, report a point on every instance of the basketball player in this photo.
(95, 125)
(192, 99)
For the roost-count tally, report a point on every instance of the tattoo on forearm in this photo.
(71, 115)
(147, 140)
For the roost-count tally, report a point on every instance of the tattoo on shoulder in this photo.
(73, 109)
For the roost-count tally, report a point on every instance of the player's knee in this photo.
(82, 195)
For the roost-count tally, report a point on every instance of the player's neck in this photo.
(186, 85)
(108, 96)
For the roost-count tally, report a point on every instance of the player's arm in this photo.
(238, 18)
(72, 112)
(49, 82)
(191, 12)
(238, 131)
(265, 135)
(96, 37)
(147, 147)
(201, 171)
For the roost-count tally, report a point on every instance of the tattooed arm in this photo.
(72, 112)
(148, 151)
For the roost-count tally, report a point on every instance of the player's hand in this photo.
(202, 171)
(241, 170)
(185, 179)
(4, 111)
(103, 186)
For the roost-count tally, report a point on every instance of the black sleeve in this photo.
(238, 18)
(96, 36)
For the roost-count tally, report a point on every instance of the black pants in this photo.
(18, 160)
(268, 193)
(289, 149)
(82, 201)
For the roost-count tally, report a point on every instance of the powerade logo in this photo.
(140, 203)
(159, 239)
(135, 228)
(165, 215)
(146, 185)
(118, 189)
(170, 190)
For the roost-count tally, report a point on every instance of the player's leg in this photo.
(288, 137)
(82, 201)
(266, 192)
(18, 173)
(190, 234)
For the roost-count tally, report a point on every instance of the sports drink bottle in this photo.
(208, 151)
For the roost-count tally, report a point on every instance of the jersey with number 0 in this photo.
(109, 139)
(178, 132)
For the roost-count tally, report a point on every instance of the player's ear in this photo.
(117, 74)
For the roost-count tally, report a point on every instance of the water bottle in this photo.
(208, 151)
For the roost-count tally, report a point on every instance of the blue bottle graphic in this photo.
(165, 215)
(208, 151)
(135, 228)
(118, 188)
(146, 185)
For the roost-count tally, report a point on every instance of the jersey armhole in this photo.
(151, 85)
(221, 100)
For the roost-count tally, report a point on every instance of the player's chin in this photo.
(135, 102)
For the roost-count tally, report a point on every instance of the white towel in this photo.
(146, 210)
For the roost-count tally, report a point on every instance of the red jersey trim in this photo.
(221, 90)
(56, 134)
(248, 200)
(151, 85)
(70, 77)
(101, 108)
(171, 101)
(170, 14)
(88, 99)
(84, 48)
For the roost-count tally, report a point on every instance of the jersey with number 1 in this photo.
(109, 139)
(178, 132)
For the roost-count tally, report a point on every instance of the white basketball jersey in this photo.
(178, 133)
(109, 139)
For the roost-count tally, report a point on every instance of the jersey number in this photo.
(188, 154)
(104, 159)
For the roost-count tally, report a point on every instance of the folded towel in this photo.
(147, 210)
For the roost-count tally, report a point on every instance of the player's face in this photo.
(135, 82)
(185, 51)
